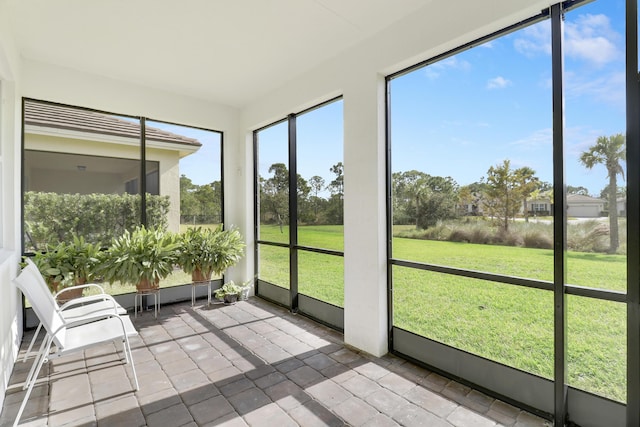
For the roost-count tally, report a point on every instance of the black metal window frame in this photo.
(293, 245)
(558, 286)
(143, 164)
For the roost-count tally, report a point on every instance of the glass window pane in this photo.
(273, 265)
(273, 182)
(595, 144)
(505, 323)
(472, 159)
(320, 177)
(597, 346)
(79, 171)
(321, 276)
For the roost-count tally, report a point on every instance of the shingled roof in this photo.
(78, 119)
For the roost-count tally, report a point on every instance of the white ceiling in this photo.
(227, 51)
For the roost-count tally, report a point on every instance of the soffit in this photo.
(229, 52)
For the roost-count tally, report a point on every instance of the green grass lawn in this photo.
(510, 324)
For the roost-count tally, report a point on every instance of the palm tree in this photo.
(609, 151)
(528, 182)
(418, 190)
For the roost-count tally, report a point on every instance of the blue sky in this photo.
(319, 143)
(475, 109)
(203, 166)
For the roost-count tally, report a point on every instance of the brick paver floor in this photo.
(253, 364)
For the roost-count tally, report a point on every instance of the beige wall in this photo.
(169, 182)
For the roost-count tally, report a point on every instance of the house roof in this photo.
(81, 120)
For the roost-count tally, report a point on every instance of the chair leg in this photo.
(32, 383)
(39, 355)
(33, 341)
(124, 351)
(127, 348)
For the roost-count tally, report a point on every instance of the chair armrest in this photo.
(87, 285)
(89, 299)
(89, 319)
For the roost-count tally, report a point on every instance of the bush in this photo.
(508, 238)
(588, 236)
(51, 217)
(537, 239)
(460, 235)
(481, 235)
(582, 236)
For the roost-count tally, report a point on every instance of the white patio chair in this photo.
(74, 310)
(69, 337)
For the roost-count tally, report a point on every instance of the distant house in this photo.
(71, 150)
(581, 206)
(578, 206)
(541, 206)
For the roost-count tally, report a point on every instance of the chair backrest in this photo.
(35, 289)
(41, 282)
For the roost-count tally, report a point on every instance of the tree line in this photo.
(200, 204)
(423, 200)
(418, 198)
(313, 206)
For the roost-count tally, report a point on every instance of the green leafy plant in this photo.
(205, 251)
(82, 257)
(141, 257)
(54, 266)
(230, 292)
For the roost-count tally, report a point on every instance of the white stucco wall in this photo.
(10, 313)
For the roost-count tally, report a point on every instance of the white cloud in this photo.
(498, 83)
(589, 38)
(538, 139)
(607, 88)
(488, 45)
(534, 40)
(592, 39)
(434, 71)
(579, 138)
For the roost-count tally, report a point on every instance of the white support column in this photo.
(365, 300)
(238, 198)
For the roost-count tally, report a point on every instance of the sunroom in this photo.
(384, 162)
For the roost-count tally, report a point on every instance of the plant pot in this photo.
(53, 285)
(145, 285)
(199, 276)
(69, 295)
(230, 298)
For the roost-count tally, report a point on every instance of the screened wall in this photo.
(94, 175)
(509, 256)
(299, 212)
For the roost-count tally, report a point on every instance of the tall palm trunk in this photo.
(614, 240)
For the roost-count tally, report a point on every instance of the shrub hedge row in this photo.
(52, 217)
